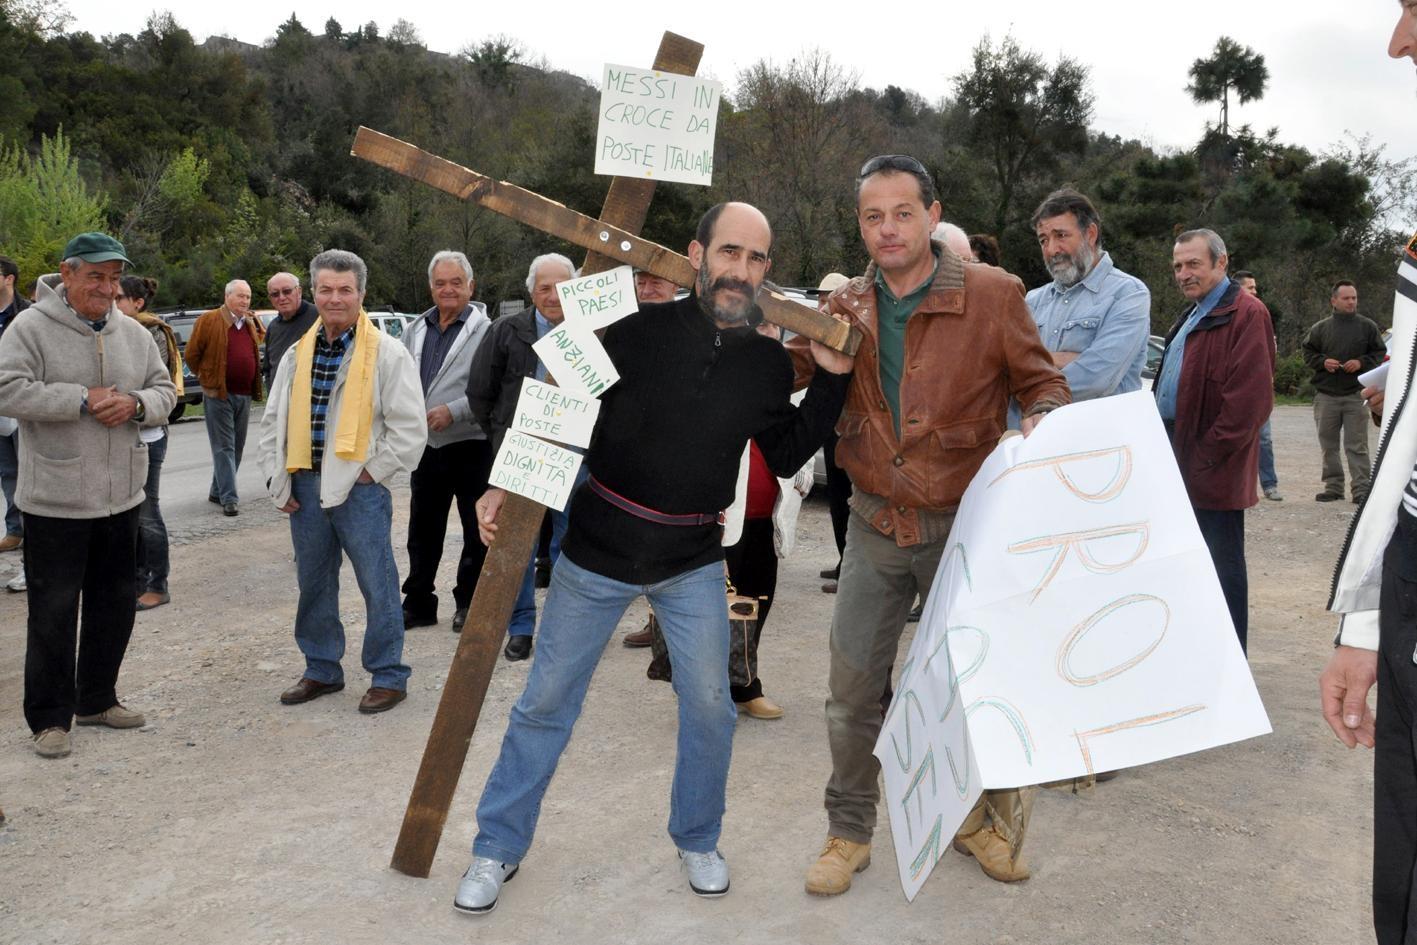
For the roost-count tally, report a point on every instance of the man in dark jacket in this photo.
(12, 303)
(1214, 389)
(294, 316)
(1337, 350)
(494, 384)
(696, 383)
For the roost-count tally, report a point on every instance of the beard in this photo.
(1069, 270)
(727, 313)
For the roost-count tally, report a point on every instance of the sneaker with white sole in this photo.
(52, 743)
(707, 872)
(115, 716)
(481, 884)
(17, 584)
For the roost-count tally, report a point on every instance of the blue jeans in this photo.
(524, 610)
(226, 432)
(1269, 479)
(153, 563)
(9, 471)
(582, 610)
(359, 528)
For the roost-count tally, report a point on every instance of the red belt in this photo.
(649, 514)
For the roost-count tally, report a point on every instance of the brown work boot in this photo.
(992, 851)
(640, 638)
(831, 874)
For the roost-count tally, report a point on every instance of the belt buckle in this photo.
(721, 518)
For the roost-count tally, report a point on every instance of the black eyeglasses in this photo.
(892, 162)
(278, 293)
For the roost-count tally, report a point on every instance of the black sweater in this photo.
(1343, 338)
(672, 431)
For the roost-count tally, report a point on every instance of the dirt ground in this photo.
(232, 819)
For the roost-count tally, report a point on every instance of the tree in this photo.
(43, 203)
(792, 149)
(1230, 66)
(1023, 115)
(493, 61)
(333, 31)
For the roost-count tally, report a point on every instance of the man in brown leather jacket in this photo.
(945, 344)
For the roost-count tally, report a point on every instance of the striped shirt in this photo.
(323, 370)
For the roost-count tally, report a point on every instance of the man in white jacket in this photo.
(458, 458)
(1375, 589)
(345, 414)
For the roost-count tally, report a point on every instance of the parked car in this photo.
(181, 321)
(1155, 344)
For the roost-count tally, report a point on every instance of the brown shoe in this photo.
(308, 689)
(831, 874)
(992, 851)
(639, 639)
(10, 543)
(829, 587)
(379, 699)
(761, 708)
(153, 599)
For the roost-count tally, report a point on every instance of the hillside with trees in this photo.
(225, 160)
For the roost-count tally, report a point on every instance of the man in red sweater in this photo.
(225, 354)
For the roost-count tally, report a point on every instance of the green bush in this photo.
(1292, 376)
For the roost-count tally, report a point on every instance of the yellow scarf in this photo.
(356, 416)
(174, 355)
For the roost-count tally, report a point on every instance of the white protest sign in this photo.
(1081, 611)
(659, 125)
(550, 412)
(541, 471)
(576, 359)
(601, 299)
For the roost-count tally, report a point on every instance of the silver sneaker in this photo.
(707, 872)
(477, 893)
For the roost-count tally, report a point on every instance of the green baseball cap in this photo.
(95, 248)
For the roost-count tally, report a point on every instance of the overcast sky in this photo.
(1329, 71)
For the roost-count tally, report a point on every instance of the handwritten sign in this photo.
(659, 125)
(1075, 622)
(550, 412)
(576, 359)
(601, 299)
(541, 471)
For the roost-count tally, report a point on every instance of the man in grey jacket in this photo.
(80, 378)
(458, 459)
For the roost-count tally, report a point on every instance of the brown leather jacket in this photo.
(206, 351)
(969, 346)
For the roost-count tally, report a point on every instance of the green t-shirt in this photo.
(891, 315)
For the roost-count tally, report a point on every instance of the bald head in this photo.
(955, 238)
(731, 256)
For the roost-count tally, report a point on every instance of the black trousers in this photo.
(66, 558)
(1395, 759)
(1224, 534)
(838, 496)
(456, 471)
(752, 567)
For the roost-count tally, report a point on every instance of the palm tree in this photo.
(1230, 66)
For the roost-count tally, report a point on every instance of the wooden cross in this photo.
(611, 239)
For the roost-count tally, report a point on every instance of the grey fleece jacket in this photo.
(72, 466)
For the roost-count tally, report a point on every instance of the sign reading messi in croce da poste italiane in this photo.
(657, 125)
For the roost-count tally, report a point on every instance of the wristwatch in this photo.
(140, 413)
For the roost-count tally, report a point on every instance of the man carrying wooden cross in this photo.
(696, 382)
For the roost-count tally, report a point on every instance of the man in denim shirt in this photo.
(1092, 316)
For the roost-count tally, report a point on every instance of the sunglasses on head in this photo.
(892, 162)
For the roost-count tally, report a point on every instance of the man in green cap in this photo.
(81, 379)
